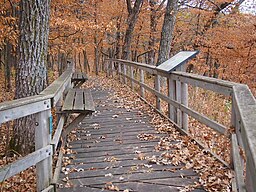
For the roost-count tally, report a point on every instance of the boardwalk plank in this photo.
(106, 151)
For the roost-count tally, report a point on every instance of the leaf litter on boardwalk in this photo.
(213, 176)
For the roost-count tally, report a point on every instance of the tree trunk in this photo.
(167, 31)
(8, 67)
(132, 19)
(118, 39)
(96, 54)
(153, 30)
(86, 63)
(31, 66)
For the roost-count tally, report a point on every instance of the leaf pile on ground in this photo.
(214, 176)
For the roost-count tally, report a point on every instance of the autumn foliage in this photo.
(88, 31)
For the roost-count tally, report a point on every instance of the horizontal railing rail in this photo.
(242, 118)
(40, 106)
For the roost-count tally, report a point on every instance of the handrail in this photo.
(243, 110)
(54, 90)
(10, 110)
(40, 105)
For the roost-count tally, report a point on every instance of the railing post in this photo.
(132, 76)
(107, 68)
(142, 91)
(112, 68)
(119, 71)
(125, 73)
(172, 111)
(233, 113)
(184, 100)
(42, 139)
(178, 99)
(157, 88)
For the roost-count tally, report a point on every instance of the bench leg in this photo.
(72, 125)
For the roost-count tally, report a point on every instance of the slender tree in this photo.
(155, 14)
(31, 67)
(167, 31)
(133, 13)
(166, 39)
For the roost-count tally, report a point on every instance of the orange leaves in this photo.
(8, 30)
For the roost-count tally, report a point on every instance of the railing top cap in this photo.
(176, 61)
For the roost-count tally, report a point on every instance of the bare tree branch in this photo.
(129, 6)
(65, 35)
(161, 5)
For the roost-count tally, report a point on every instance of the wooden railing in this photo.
(45, 143)
(243, 116)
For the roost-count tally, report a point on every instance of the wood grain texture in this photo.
(107, 149)
(24, 163)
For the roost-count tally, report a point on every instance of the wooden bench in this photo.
(78, 78)
(78, 101)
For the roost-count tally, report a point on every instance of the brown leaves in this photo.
(176, 149)
(111, 187)
(147, 137)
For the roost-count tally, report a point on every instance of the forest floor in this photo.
(214, 176)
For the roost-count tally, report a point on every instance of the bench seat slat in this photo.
(79, 76)
(88, 97)
(69, 100)
(81, 99)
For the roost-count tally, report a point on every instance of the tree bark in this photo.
(86, 62)
(31, 67)
(167, 31)
(132, 19)
(153, 30)
(8, 67)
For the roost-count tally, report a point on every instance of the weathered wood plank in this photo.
(133, 177)
(157, 88)
(69, 100)
(89, 104)
(132, 77)
(237, 165)
(89, 157)
(56, 89)
(142, 91)
(201, 118)
(208, 83)
(125, 72)
(50, 188)
(145, 67)
(150, 187)
(21, 108)
(79, 76)
(57, 133)
(80, 189)
(79, 100)
(43, 139)
(25, 162)
(176, 61)
(172, 111)
(110, 153)
(216, 85)
(57, 170)
(178, 100)
(245, 105)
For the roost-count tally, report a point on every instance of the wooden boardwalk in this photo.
(108, 155)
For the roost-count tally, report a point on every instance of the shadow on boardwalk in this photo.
(114, 150)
